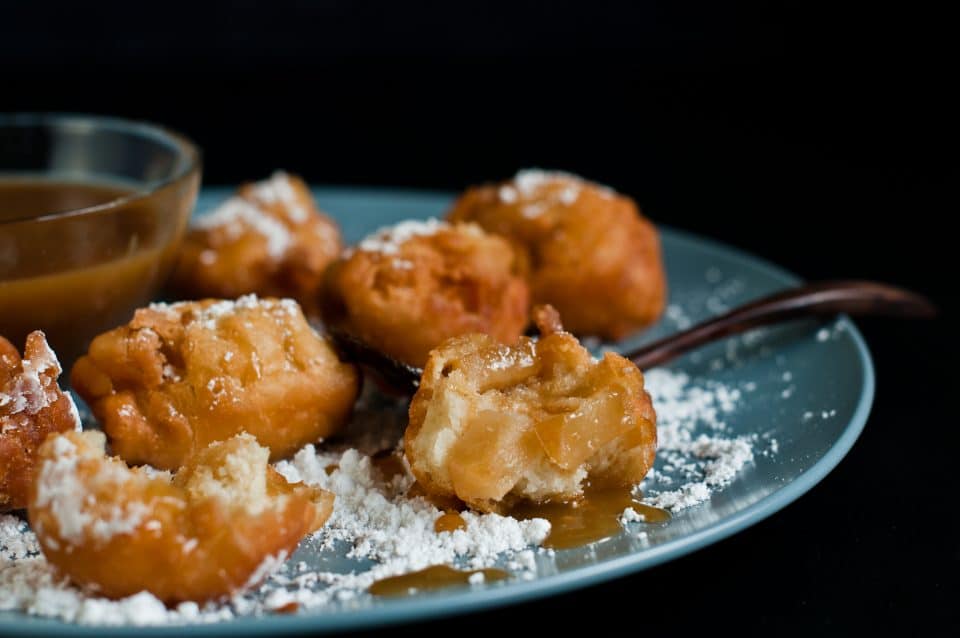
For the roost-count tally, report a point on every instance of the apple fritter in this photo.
(213, 529)
(269, 239)
(180, 376)
(495, 425)
(407, 288)
(593, 256)
(31, 407)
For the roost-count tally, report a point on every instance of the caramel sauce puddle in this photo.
(431, 578)
(595, 517)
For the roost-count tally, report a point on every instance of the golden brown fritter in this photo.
(269, 239)
(31, 407)
(494, 425)
(182, 375)
(215, 528)
(406, 288)
(593, 255)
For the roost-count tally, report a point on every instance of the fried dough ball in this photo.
(216, 527)
(406, 288)
(495, 425)
(593, 255)
(182, 375)
(270, 239)
(31, 407)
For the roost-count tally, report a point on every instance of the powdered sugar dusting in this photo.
(508, 357)
(387, 240)
(539, 190)
(692, 447)
(210, 316)
(236, 215)
(531, 182)
(59, 489)
(269, 565)
(34, 388)
(277, 189)
(74, 412)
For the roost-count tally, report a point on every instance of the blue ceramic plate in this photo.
(812, 390)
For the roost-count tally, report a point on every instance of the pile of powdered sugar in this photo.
(381, 531)
(695, 455)
(374, 520)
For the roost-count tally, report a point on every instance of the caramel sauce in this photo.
(593, 518)
(431, 578)
(77, 275)
(389, 464)
(291, 607)
(27, 198)
(449, 522)
(417, 490)
(445, 503)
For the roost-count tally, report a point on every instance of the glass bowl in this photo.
(92, 211)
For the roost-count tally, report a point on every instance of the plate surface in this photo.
(813, 387)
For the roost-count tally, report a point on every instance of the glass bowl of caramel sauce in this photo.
(92, 211)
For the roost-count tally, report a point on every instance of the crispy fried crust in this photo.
(213, 529)
(276, 242)
(31, 407)
(593, 255)
(493, 425)
(180, 376)
(406, 299)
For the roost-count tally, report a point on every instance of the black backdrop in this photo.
(821, 138)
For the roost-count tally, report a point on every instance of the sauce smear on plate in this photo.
(594, 517)
(435, 577)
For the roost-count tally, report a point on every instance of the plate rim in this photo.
(586, 576)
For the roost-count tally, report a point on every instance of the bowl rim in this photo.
(188, 154)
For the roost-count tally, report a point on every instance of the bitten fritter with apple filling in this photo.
(593, 256)
(269, 239)
(179, 376)
(213, 529)
(31, 407)
(407, 288)
(495, 425)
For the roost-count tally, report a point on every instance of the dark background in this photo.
(822, 138)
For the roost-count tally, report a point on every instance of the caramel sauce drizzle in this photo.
(595, 517)
(389, 464)
(431, 578)
(449, 522)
